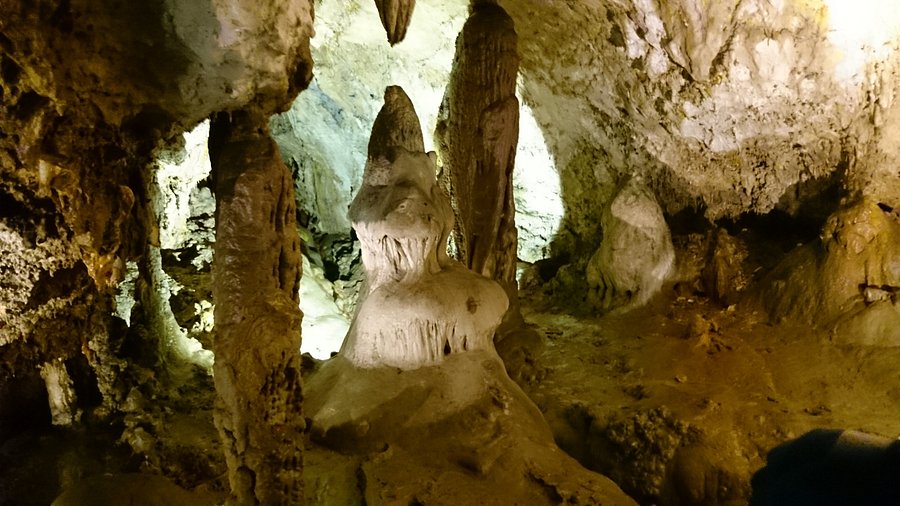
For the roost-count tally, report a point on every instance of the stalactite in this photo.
(395, 16)
(477, 134)
(256, 275)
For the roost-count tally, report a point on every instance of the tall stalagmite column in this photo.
(477, 132)
(256, 275)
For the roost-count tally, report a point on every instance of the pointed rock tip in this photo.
(396, 126)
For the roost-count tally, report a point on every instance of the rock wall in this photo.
(729, 107)
(89, 91)
(174, 63)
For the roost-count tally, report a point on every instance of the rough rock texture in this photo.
(674, 422)
(184, 207)
(60, 394)
(88, 90)
(727, 106)
(192, 59)
(477, 133)
(846, 282)
(636, 255)
(323, 137)
(417, 305)
(113, 490)
(418, 381)
(69, 221)
(84, 102)
(458, 433)
(725, 276)
(256, 277)
(395, 17)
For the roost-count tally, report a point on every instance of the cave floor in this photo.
(678, 402)
(626, 394)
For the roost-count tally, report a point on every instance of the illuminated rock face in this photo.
(157, 62)
(418, 305)
(728, 107)
(636, 254)
(846, 282)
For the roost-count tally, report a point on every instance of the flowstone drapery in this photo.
(418, 305)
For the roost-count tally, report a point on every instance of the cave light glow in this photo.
(864, 31)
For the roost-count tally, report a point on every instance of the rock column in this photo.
(477, 132)
(256, 276)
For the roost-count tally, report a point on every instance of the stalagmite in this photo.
(417, 305)
(395, 16)
(636, 255)
(476, 135)
(255, 281)
(60, 393)
(418, 379)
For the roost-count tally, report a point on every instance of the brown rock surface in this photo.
(256, 276)
(477, 131)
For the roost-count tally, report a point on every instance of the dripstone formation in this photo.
(417, 305)
(256, 279)
(418, 381)
(477, 132)
(395, 17)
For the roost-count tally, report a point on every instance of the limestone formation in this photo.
(846, 282)
(477, 131)
(724, 276)
(418, 380)
(175, 62)
(395, 17)
(417, 305)
(256, 274)
(757, 116)
(636, 254)
(61, 394)
(726, 107)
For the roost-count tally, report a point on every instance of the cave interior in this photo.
(493, 252)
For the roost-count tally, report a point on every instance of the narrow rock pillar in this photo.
(256, 275)
(60, 393)
(477, 132)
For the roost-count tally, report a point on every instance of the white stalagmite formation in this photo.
(636, 254)
(418, 304)
(60, 393)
